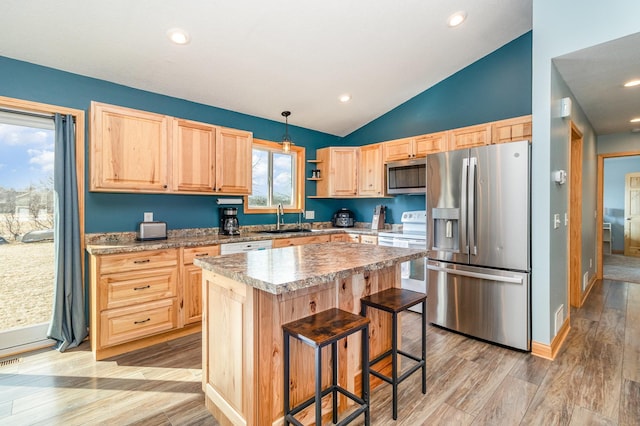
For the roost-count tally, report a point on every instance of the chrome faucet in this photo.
(279, 216)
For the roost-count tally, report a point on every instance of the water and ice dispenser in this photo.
(446, 229)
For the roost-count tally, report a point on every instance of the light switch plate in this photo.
(556, 221)
(310, 214)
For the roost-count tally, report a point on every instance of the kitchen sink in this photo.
(283, 231)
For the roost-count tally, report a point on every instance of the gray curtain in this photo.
(68, 322)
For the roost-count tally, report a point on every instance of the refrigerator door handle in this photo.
(491, 277)
(463, 205)
(473, 169)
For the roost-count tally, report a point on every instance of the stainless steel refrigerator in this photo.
(478, 231)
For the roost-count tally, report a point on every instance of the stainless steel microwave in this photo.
(407, 176)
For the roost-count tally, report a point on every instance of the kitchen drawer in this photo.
(345, 238)
(194, 252)
(287, 242)
(369, 239)
(134, 287)
(134, 322)
(136, 261)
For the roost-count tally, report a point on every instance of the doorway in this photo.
(575, 217)
(611, 210)
(632, 214)
(26, 220)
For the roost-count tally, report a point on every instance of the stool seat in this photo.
(320, 330)
(394, 301)
(326, 326)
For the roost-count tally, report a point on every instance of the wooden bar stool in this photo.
(394, 301)
(319, 330)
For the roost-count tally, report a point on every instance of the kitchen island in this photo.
(247, 297)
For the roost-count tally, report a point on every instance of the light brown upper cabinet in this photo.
(371, 171)
(399, 149)
(430, 143)
(415, 147)
(467, 137)
(129, 150)
(210, 159)
(137, 151)
(511, 130)
(233, 161)
(194, 154)
(339, 172)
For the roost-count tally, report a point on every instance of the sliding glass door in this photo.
(26, 230)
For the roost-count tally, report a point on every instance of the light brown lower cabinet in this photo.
(192, 282)
(297, 241)
(369, 239)
(345, 238)
(135, 301)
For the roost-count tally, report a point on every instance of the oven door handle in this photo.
(491, 277)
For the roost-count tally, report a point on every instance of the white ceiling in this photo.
(263, 57)
(596, 76)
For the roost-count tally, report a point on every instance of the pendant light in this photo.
(286, 140)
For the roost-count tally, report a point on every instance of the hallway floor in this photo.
(621, 268)
(594, 380)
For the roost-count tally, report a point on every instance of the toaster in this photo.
(152, 231)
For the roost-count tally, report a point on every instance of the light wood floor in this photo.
(594, 380)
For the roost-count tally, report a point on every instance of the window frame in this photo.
(299, 153)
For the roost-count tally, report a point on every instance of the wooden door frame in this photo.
(600, 202)
(575, 215)
(79, 117)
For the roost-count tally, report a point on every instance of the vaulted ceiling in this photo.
(263, 57)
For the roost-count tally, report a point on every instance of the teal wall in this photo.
(495, 87)
(112, 212)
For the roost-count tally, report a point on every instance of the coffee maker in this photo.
(229, 221)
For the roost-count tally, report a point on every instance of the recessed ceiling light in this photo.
(632, 83)
(635, 120)
(178, 36)
(345, 98)
(457, 18)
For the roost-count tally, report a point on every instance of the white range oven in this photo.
(413, 235)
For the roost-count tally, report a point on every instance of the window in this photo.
(277, 178)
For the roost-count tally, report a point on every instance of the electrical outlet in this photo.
(148, 216)
(566, 219)
(590, 263)
(310, 214)
(585, 280)
(556, 221)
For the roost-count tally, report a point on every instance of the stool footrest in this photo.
(389, 352)
(298, 408)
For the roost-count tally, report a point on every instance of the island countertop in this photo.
(288, 269)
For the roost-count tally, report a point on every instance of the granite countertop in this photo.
(288, 269)
(100, 244)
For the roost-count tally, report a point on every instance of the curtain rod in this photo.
(31, 114)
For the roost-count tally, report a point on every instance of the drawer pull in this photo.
(142, 322)
(142, 261)
(142, 288)
(202, 254)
